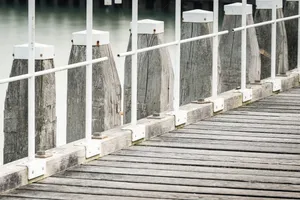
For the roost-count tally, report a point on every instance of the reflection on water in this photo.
(54, 26)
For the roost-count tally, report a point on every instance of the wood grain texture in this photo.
(291, 9)
(155, 78)
(224, 157)
(230, 54)
(106, 93)
(16, 111)
(196, 63)
(264, 35)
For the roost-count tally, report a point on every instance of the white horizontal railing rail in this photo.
(266, 23)
(135, 51)
(129, 53)
(50, 71)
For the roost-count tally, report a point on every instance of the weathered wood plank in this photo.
(243, 129)
(265, 121)
(211, 157)
(275, 107)
(180, 190)
(232, 138)
(184, 164)
(23, 198)
(269, 110)
(262, 113)
(183, 174)
(225, 133)
(159, 149)
(180, 181)
(238, 125)
(133, 194)
(234, 146)
(53, 193)
(285, 147)
(234, 116)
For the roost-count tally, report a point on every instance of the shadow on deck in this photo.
(252, 152)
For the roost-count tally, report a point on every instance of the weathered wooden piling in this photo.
(196, 56)
(290, 9)
(264, 35)
(155, 74)
(16, 105)
(230, 49)
(106, 87)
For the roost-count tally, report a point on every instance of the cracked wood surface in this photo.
(264, 35)
(230, 54)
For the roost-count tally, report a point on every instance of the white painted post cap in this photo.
(99, 37)
(149, 26)
(236, 9)
(42, 51)
(198, 16)
(268, 4)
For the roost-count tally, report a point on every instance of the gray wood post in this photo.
(196, 56)
(230, 49)
(106, 87)
(264, 35)
(290, 9)
(155, 74)
(16, 105)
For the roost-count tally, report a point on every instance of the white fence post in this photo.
(176, 99)
(298, 57)
(244, 46)
(134, 63)
(31, 80)
(215, 56)
(273, 44)
(89, 70)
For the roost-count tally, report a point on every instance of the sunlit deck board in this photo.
(250, 153)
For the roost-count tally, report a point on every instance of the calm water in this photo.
(54, 26)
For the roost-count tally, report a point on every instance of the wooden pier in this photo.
(248, 153)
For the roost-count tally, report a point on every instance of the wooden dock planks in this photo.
(249, 153)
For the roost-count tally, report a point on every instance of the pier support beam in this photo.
(196, 56)
(155, 74)
(16, 105)
(264, 35)
(106, 87)
(230, 49)
(292, 8)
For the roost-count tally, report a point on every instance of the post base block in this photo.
(218, 103)
(180, 117)
(91, 148)
(138, 131)
(36, 168)
(276, 84)
(247, 94)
